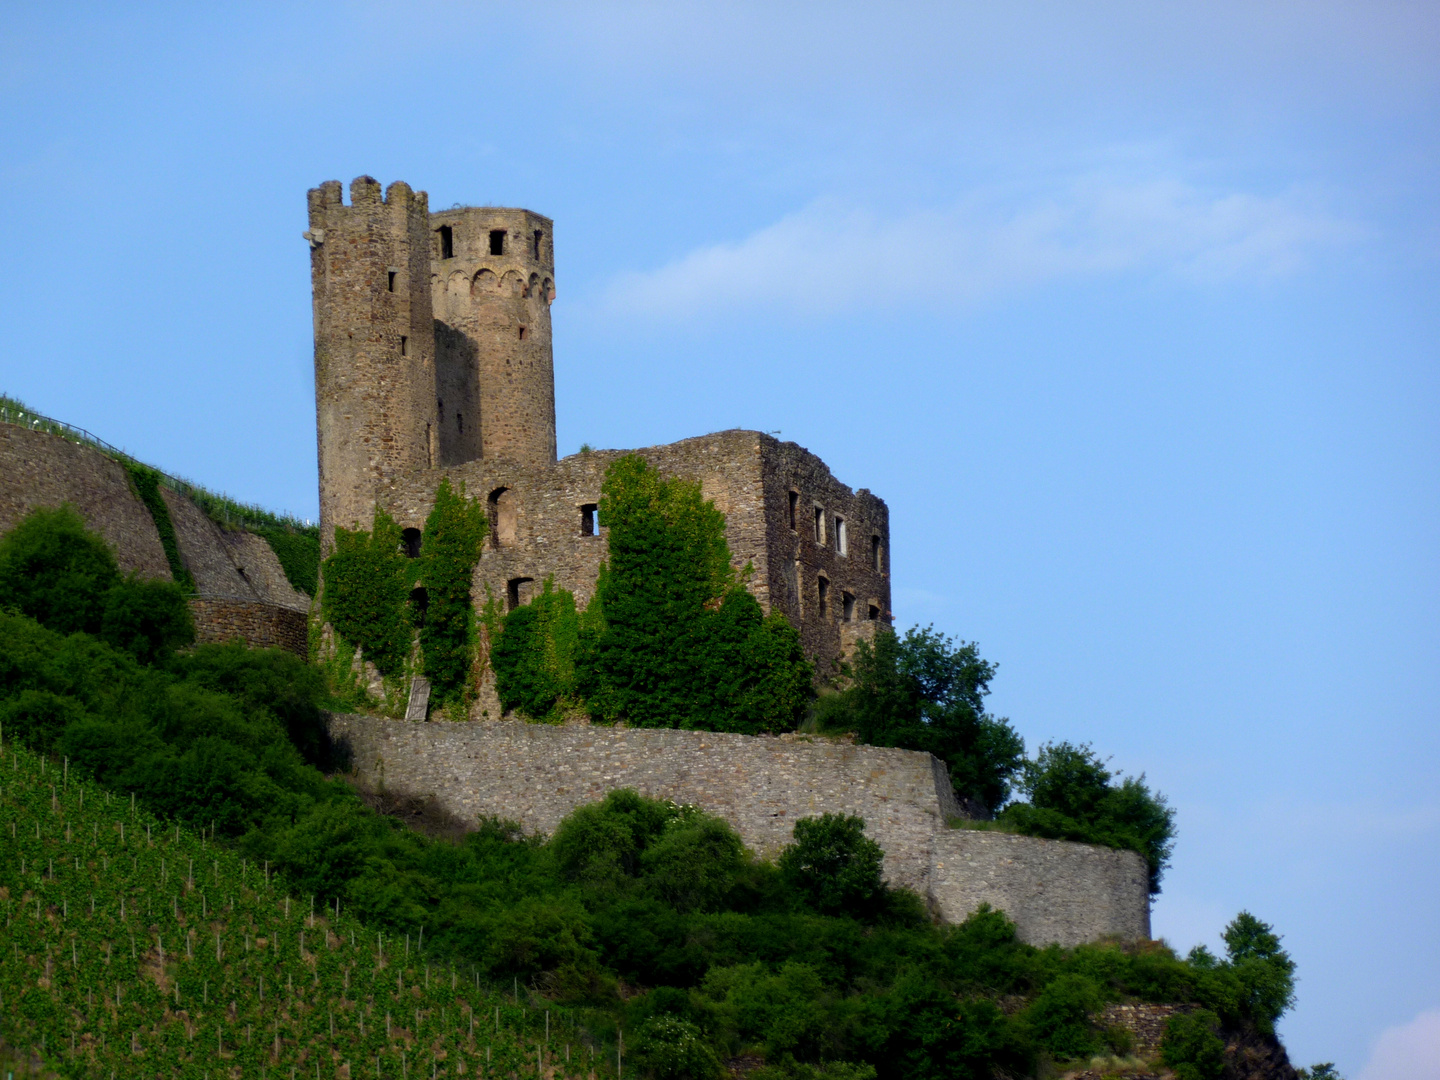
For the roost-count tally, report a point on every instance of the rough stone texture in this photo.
(1145, 1022)
(1053, 890)
(536, 774)
(260, 625)
(819, 551)
(229, 563)
(37, 469)
(494, 361)
(374, 344)
(537, 518)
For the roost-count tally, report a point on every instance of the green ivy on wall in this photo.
(366, 593)
(534, 655)
(145, 483)
(449, 549)
(298, 550)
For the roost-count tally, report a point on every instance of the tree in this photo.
(1073, 796)
(149, 619)
(1193, 1047)
(834, 865)
(924, 691)
(56, 571)
(1265, 970)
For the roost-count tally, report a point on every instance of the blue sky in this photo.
(1127, 309)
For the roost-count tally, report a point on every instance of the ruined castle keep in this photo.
(433, 358)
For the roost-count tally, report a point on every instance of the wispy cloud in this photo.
(834, 255)
(1407, 1051)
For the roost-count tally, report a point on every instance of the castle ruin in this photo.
(433, 358)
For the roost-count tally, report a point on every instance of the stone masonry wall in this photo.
(1052, 890)
(536, 774)
(37, 469)
(259, 625)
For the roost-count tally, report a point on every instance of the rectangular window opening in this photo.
(497, 241)
(819, 525)
(539, 235)
(841, 543)
(517, 592)
(847, 607)
(824, 585)
(447, 242)
(794, 502)
(874, 613)
(390, 282)
(589, 520)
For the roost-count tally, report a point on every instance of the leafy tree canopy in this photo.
(923, 691)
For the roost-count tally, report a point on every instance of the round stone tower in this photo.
(493, 280)
(374, 344)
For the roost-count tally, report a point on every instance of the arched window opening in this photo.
(503, 512)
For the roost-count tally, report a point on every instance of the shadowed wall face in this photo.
(492, 282)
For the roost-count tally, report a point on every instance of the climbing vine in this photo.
(367, 586)
(449, 549)
(146, 484)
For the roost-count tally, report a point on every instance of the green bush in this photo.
(1193, 1047)
(834, 865)
(1072, 796)
(1264, 970)
(1060, 1016)
(148, 619)
(668, 1048)
(924, 692)
(57, 572)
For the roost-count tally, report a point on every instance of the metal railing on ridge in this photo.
(222, 507)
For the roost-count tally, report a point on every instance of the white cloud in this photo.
(1407, 1052)
(834, 256)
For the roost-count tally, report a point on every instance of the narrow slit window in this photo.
(447, 242)
(497, 241)
(460, 422)
(390, 280)
(589, 519)
(841, 543)
(874, 553)
(539, 235)
(847, 607)
(440, 409)
(794, 503)
(819, 525)
(522, 333)
(404, 345)
(824, 585)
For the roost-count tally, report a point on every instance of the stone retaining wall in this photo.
(260, 625)
(1053, 890)
(536, 774)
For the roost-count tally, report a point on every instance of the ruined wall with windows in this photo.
(476, 402)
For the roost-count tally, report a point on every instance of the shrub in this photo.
(1060, 1016)
(148, 619)
(668, 1048)
(924, 692)
(56, 572)
(1192, 1046)
(834, 865)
